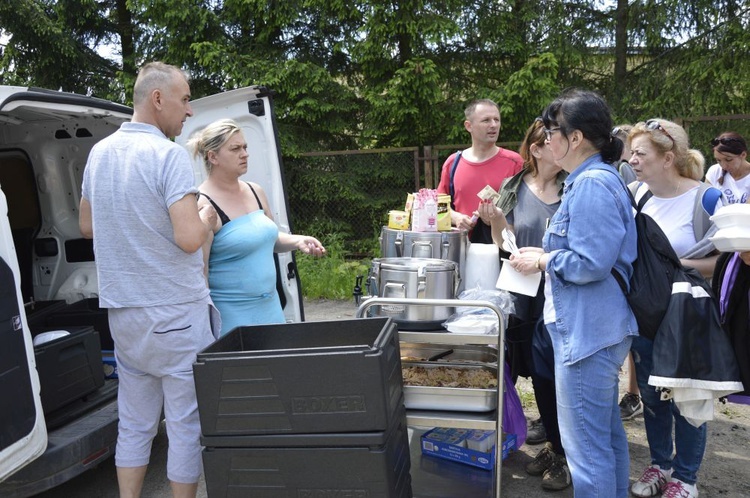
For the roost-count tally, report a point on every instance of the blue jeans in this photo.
(595, 442)
(658, 415)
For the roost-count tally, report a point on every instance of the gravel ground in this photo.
(723, 473)
(725, 465)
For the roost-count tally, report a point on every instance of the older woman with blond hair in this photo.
(241, 269)
(668, 172)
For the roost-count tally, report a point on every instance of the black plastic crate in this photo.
(69, 368)
(38, 312)
(301, 378)
(375, 465)
(84, 312)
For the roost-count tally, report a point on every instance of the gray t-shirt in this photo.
(131, 179)
(530, 217)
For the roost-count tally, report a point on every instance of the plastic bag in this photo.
(514, 420)
(478, 320)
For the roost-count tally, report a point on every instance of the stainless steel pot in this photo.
(451, 246)
(413, 278)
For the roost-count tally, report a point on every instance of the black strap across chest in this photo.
(222, 215)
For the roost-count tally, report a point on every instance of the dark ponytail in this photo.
(586, 111)
(612, 152)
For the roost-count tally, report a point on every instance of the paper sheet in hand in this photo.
(488, 193)
(515, 281)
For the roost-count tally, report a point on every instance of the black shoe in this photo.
(557, 477)
(630, 406)
(536, 434)
(542, 461)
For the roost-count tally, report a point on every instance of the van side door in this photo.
(23, 435)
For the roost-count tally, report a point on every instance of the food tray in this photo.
(731, 243)
(450, 398)
(411, 352)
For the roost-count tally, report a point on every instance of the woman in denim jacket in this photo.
(586, 313)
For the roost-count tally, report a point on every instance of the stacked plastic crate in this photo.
(306, 409)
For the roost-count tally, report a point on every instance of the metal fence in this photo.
(346, 195)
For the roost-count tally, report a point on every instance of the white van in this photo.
(59, 415)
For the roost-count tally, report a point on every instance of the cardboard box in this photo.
(459, 445)
(109, 364)
(443, 212)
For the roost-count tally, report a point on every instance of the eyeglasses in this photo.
(724, 141)
(549, 131)
(653, 124)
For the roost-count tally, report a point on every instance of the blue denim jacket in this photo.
(592, 231)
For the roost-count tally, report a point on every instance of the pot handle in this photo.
(445, 247)
(399, 244)
(422, 249)
(393, 289)
(421, 287)
(456, 281)
(372, 281)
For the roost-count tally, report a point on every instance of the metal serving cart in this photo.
(454, 419)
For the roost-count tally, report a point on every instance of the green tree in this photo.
(368, 73)
(53, 44)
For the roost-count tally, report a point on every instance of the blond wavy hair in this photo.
(212, 138)
(667, 136)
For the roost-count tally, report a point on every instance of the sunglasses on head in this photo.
(725, 141)
(653, 124)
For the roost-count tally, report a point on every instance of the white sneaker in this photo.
(678, 489)
(653, 481)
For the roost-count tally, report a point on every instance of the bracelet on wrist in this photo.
(538, 261)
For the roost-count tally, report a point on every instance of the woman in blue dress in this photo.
(241, 269)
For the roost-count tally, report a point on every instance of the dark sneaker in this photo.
(630, 406)
(536, 434)
(542, 461)
(557, 477)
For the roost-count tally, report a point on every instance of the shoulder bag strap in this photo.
(451, 190)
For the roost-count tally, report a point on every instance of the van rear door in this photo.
(252, 108)
(23, 435)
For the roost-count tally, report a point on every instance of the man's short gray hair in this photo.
(153, 76)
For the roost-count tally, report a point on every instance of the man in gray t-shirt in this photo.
(139, 205)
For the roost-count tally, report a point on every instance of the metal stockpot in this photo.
(438, 245)
(413, 278)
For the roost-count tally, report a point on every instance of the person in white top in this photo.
(666, 165)
(731, 173)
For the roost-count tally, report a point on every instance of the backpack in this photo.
(657, 263)
(653, 272)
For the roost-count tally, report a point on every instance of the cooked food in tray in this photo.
(449, 377)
